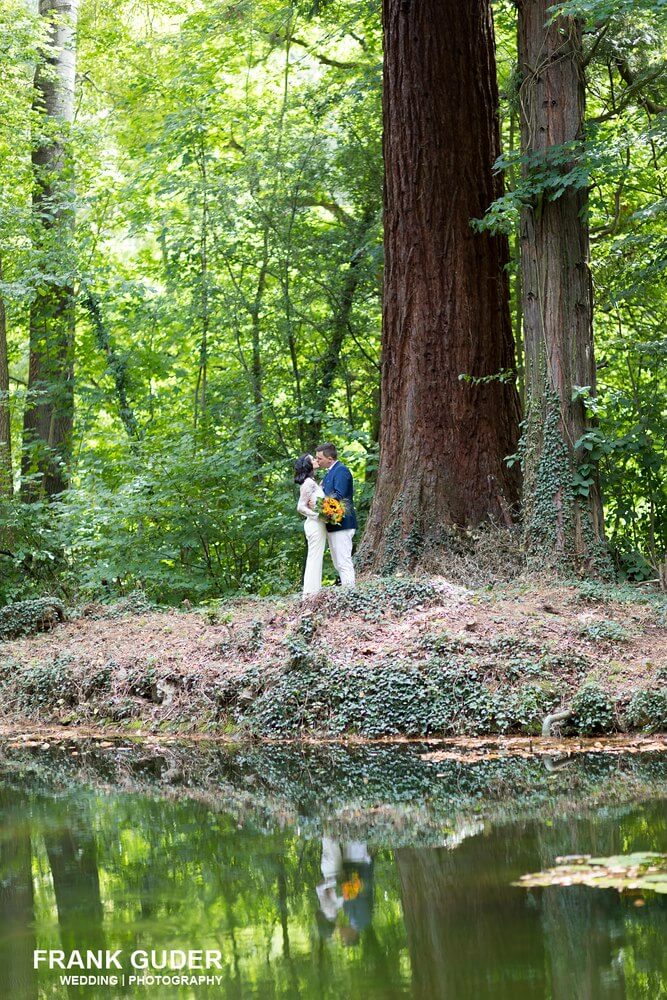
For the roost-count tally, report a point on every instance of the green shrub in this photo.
(565, 662)
(26, 617)
(648, 710)
(140, 680)
(593, 592)
(375, 598)
(122, 709)
(32, 549)
(96, 681)
(604, 631)
(593, 711)
(398, 697)
(596, 592)
(45, 686)
(530, 705)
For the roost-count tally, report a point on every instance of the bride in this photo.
(316, 532)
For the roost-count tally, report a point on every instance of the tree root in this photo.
(555, 717)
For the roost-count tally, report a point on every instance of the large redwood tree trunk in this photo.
(563, 512)
(49, 411)
(446, 312)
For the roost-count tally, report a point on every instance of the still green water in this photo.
(326, 874)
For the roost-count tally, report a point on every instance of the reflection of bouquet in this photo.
(330, 510)
(352, 887)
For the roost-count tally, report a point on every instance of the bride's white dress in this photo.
(316, 534)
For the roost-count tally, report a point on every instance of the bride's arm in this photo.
(305, 493)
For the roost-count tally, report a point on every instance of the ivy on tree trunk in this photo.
(562, 509)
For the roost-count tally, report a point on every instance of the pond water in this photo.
(338, 873)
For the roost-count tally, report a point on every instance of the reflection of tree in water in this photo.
(17, 936)
(177, 873)
(470, 933)
(72, 854)
(308, 786)
(71, 849)
(72, 857)
(583, 927)
(592, 935)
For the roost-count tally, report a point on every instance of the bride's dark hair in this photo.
(303, 469)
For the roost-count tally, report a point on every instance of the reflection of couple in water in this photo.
(347, 889)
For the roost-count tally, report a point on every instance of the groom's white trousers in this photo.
(340, 543)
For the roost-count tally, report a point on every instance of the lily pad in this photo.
(645, 871)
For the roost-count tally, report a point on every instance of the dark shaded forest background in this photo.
(220, 274)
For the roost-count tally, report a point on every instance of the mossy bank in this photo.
(398, 656)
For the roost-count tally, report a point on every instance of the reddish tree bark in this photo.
(563, 516)
(446, 311)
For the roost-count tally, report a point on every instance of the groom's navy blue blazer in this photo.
(338, 483)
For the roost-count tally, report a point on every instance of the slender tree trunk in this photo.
(370, 470)
(256, 374)
(256, 368)
(563, 520)
(284, 173)
(202, 372)
(517, 319)
(49, 412)
(340, 320)
(116, 364)
(6, 487)
(446, 303)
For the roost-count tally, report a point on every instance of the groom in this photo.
(338, 483)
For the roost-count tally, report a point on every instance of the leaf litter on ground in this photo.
(471, 749)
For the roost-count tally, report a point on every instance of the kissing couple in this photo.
(329, 513)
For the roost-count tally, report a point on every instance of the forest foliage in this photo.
(225, 170)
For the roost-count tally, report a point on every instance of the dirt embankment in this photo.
(398, 656)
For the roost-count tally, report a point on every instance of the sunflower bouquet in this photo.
(330, 510)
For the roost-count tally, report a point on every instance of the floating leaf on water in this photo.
(644, 871)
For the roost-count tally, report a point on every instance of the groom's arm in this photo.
(341, 484)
